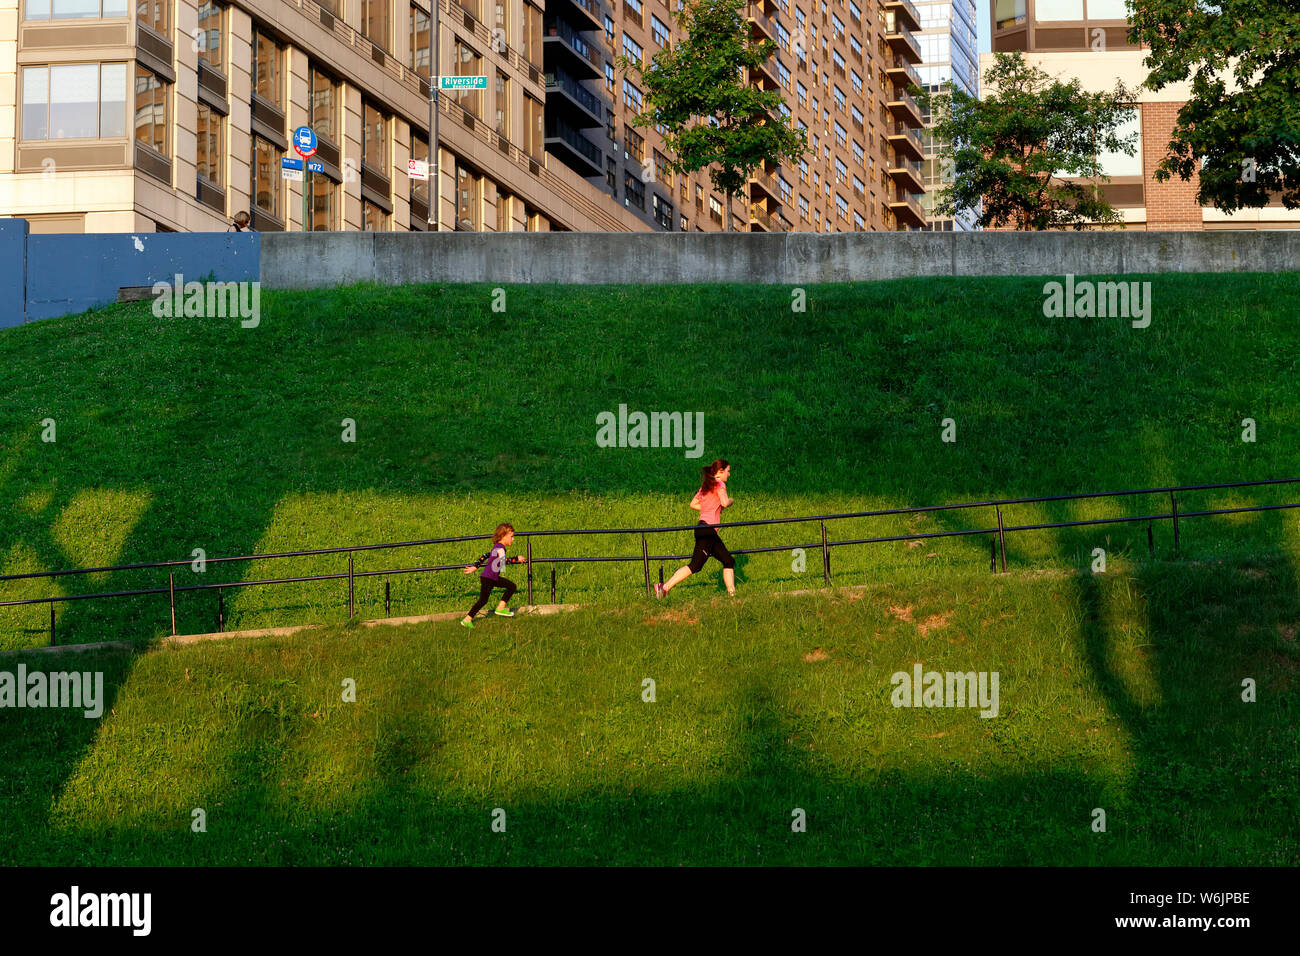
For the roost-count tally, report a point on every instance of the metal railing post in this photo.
(52, 624)
(1002, 540)
(351, 588)
(645, 563)
(552, 583)
(1173, 502)
(826, 557)
(171, 595)
(1151, 541)
(528, 547)
(993, 556)
(221, 610)
(387, 599)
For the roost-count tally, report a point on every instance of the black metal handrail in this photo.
(825, 544)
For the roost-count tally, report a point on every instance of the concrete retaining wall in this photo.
(313, 260)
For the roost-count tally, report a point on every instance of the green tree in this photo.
(1242, 121)
(1010, 151)
(695, 90)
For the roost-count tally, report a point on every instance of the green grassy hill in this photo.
(177, 434)
(1119, 691)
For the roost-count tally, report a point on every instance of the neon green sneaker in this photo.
(506, 613)
(465, 623)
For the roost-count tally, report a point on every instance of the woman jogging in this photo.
(490, 577)
(709, 502)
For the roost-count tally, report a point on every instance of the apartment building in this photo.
(949, 60)
(147, 115)
(1088, 39)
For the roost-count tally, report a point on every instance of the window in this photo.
(503, 104)
(633, 144)
(857, 152)
(841, 135)
(1008, 13)
(609, 28)
(858, 222)
(151, 110)
(838, 96)
(715, 209)
(323, 95)
(837, 25)
(74, 101)
(801, 93)
(468, 63)
(841, 171)
(154, 15)
(841, 206)
(798, 18)
(856, 81)
(784, 187)
(783, 110)
(1058, 9)
(373, 218)
(502, 23)
(632, 48)
(505, 221)
(419, 152)
(858, 185)
(266, 69)
(374, 22)
(267, 186)
(611, 175)
(633, 190)
(611, 124)
(857, 116)
(208, 162)
(803, 170)
(609, 76)
(659, 31)
(631, 96)
(533, 34)
(855, 46)
(803, 208)
(534, 127)
(663, 172)
(782, 37)
(419, 25)
(838, 61)
(854, 12)
(73, 9)
(469, 198)
(663, 211)
(1118, 163)
(323, 196)
(783, 74)
(374, 139)
(632, 10)
(211, 43)
(1097, 10)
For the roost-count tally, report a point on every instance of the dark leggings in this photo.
(708, 544)
(485, 588)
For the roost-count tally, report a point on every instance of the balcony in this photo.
(902, 73)
(763, 184)
(906, 141)
(905, 109)
(580, 11)
(904, 13)
(572, 148)
(907, 210)
(562, 44)
(901, 41)
(906, 174)
(765, 75)
(759, 219)
(582, 108)
(764, 29)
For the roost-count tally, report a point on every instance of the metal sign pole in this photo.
(435, 172)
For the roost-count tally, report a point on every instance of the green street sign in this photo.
(462, 82)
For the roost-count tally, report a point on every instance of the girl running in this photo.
(709, 502)
(492, 562)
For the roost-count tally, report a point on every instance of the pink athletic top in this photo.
(711, 504)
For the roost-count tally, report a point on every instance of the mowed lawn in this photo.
(1117, 692)
(174, 435)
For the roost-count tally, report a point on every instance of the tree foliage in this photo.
(1242, 121)
(1026, 154)
(695, 90)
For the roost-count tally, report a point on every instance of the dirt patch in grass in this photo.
(934, 622)
(817, 655)
(672, 617)
(902, 613)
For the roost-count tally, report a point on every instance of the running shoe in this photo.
(506, 613)
(659, 590)
(465, 623)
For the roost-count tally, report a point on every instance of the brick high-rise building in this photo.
(1088, 39)
(146, 115)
